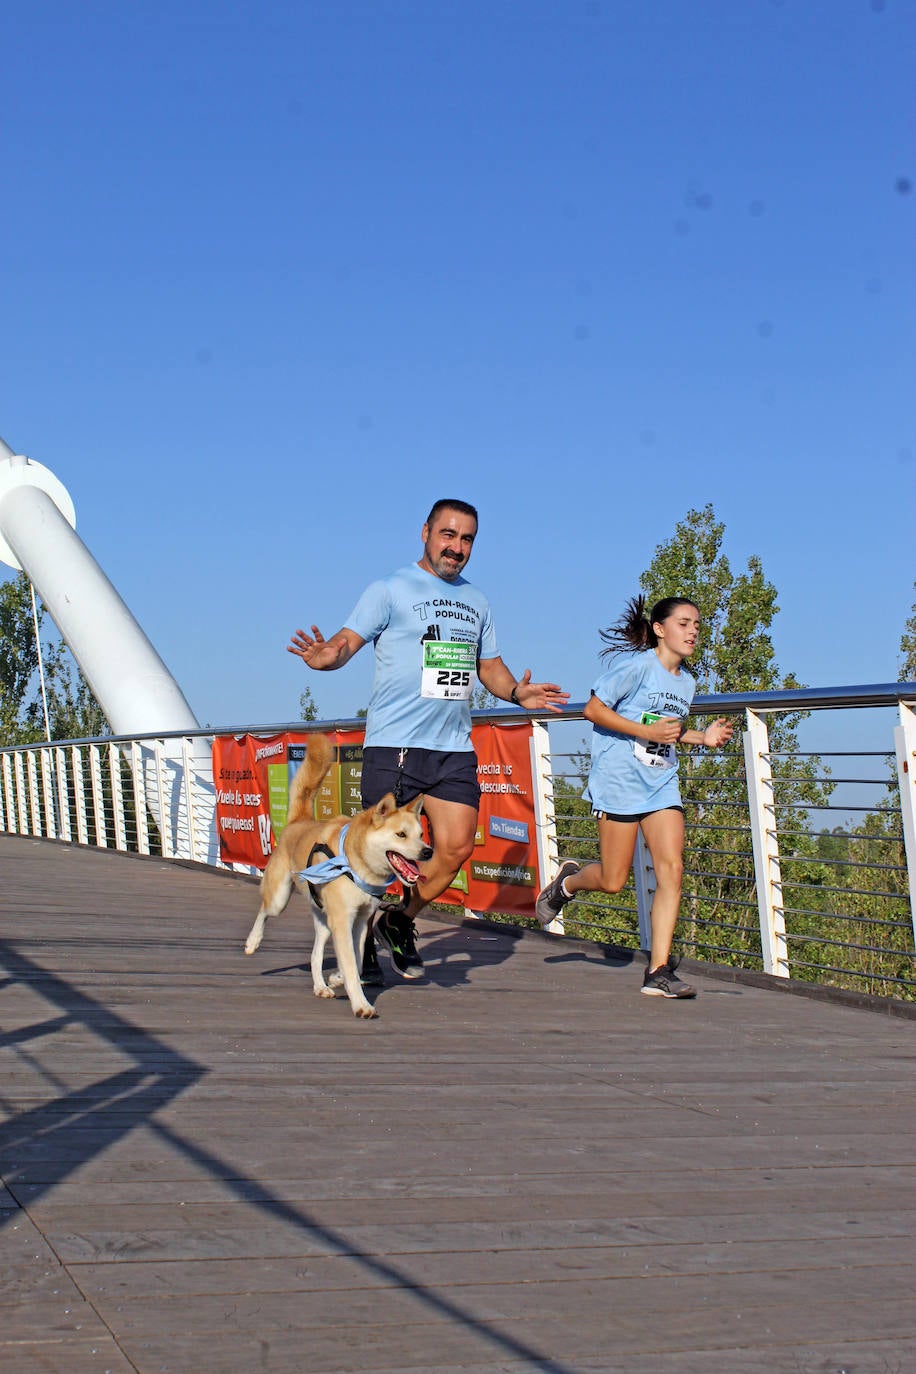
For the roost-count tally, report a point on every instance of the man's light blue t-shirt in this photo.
(428, 635)
(628, 776)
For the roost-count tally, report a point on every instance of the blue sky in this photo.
(276, 276)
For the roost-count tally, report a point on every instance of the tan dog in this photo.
(380, 844)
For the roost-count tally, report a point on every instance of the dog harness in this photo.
(336, 866)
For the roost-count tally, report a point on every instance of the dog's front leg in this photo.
(348, 925)
(319, 986)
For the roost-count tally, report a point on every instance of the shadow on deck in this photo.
(523, 1164)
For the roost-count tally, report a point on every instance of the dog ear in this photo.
(417, 806)
(385, 807)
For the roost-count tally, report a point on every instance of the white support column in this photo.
(767, 869)
(135, 688)
(905, 743)
(132, 683)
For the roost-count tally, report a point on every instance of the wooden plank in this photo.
(524, 1164)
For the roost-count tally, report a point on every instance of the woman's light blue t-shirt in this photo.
(629, 776)
(428, 635)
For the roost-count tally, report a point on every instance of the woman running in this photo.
(638, 710)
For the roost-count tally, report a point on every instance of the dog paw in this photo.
(251, 946)
(335, 980)
(324, 991)
(368, 1013)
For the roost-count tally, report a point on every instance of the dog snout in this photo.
(426, 853)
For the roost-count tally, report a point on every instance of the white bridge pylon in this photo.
(37, 534)
(133, 686)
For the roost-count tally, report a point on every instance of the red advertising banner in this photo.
(252, 775)
(502, 872)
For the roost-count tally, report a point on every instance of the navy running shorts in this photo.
(408, 773)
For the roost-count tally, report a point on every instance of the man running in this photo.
(433, 633)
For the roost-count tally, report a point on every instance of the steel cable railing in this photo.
(789, 868)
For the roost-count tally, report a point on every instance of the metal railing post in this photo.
(117, 797)
(21, 812)
(63, 795)
(187, 766)
(32, 773)
(98, 799)
(545, 823)
(905, 742)
(79, 796)
(47, 791)
(767, 871)
(645, 883)
(9, 794)
(139, 783)
(164, 818)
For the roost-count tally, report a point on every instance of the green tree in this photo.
(73, 711)
(18, 658)
(308, 707)
(482, 700)
(907, 671)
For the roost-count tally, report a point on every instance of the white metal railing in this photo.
(768, 883)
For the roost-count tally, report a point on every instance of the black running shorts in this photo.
(409, 772)
(639, 815)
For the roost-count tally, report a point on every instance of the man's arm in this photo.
(531, 696)
(325, 654)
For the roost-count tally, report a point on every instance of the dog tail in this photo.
(319, 756)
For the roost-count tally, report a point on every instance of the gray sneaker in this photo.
(664, 982)
(552, 899)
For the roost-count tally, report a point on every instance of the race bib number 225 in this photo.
(448, 670)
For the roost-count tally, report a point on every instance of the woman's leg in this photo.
(664, 832)
(616, 844)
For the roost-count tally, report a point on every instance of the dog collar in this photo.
(338, 867)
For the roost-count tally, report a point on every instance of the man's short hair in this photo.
(463, 506)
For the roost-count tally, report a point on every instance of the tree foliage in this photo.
(18, 660)
(907, 671)
(73, 711)
(308, 706)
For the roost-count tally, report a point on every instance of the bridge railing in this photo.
(800, 856)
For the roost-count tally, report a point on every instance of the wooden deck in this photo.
(522, 1165)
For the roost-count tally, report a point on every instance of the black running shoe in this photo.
(552, 899)
(396, 930)
(372, 975)
(664, 982)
